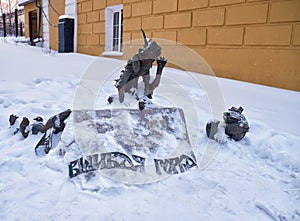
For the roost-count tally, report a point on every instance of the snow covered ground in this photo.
(257, 178)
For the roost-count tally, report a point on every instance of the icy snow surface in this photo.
(257, 178)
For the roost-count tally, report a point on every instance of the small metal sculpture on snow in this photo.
(56, 122)
(235, 125)
(139, 66)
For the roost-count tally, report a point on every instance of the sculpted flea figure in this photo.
(139, 66)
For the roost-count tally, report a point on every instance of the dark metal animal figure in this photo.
(56, 122)
(139, 66)
(235, 125)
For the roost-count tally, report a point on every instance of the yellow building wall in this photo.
(55, 8)
(256, 41)
(27, 8)
(91, 26)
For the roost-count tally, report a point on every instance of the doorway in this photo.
(33, 26)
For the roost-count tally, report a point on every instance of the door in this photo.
(33, 26)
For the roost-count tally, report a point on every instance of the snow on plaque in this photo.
(131, 145)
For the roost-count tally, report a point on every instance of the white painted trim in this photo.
(65, 16)
(112, 53)
(24, 2)
(46, 28)
(109, 30)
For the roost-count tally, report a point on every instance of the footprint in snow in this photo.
(196, 185)
(5, 103)
(41, 80)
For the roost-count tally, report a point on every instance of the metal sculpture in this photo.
(139, 66)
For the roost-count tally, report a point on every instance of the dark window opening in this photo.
(117, 30)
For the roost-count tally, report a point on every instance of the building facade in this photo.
(45, 21)
(255, 41)
(32, 19)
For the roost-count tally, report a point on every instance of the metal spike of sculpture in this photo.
(139, 66)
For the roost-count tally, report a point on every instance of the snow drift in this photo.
(257, 178)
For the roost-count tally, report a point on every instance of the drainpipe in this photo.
(16, 22)
(4, 24)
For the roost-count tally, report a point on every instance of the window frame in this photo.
(109, 29)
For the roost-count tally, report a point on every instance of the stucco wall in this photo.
(56, 9)
(251, 40)
(27, 8)
(91, 26)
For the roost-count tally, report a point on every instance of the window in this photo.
(117, 31)
(114, 30)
